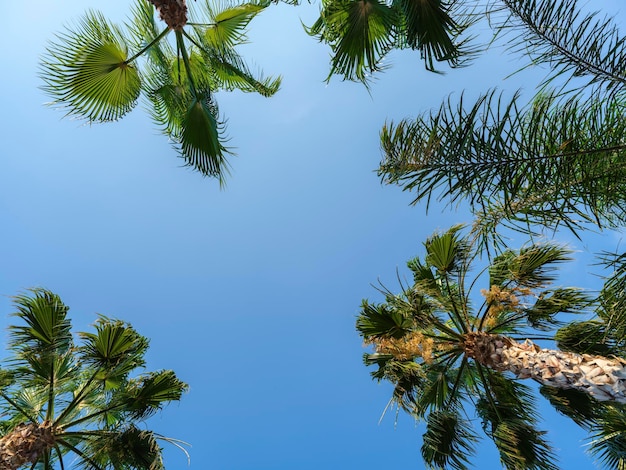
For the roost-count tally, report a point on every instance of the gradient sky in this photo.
(249, 293)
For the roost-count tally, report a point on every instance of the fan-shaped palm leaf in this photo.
(88, 71)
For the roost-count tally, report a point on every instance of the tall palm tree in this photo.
(558, 160)
(362, 32)
(444, 352)
(97, 71)
(87, 399)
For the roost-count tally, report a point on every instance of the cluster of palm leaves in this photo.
(97, 71)
(423, 339)
(361, 33)
(78, 404)
(555, 161)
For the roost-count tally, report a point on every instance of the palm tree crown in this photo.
(98, 71)
(59, 397)
(443, 353)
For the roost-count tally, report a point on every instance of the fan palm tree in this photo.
(558, 160)
(97, 71)
(60, 398)
(444, 352)
(362, 32)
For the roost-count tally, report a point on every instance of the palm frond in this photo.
(569, 41)
(115, 348)
(574, 404)
(360, 34)
(150, 392)
(228, 23)
(87, 71)
(448, 441)
(47, 325)
(542, 315)
(201, 139)
(382, 321)
(509, 416)
(552, 163)
(608, 440)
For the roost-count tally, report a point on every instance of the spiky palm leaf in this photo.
(554, 162)
(59, 397)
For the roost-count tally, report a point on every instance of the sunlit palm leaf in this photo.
(229, 23)
(360, 33)
(87, 72)
(231, 73)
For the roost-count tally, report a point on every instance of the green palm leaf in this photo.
(429, 27)
(229, 23)
(360, 33)
(115, 347)
(88, 72)
(448, 441)
(200, 139)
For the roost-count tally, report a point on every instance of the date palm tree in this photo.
(85, 400)
(97, 71)
(445, 352)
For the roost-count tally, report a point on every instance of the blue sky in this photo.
(248, 293)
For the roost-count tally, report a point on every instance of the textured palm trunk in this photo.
(601, 377)
(25, 444)
(172, 12)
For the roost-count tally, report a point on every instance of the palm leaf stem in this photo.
(32, 467)
(492, 402)
(194, 42)
(152, 43)
(180, 44)
(458, 320)
(483, 316)
(440, 326)
(457, 382)
(19, 408)
(80, 453)
(50, 408)
(60, 454)
(94, 415)
(76, 400)
(445, 354)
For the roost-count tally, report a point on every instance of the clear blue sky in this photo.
(248, 293)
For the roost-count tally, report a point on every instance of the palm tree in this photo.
(362, 32)
(558, 160)
(60, 398)
(444, 352)
(97, 71)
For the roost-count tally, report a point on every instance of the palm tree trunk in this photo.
(25, 444)
(172, 12)
(601, 377)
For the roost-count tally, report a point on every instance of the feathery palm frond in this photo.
(552, 163)
(571, 42)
